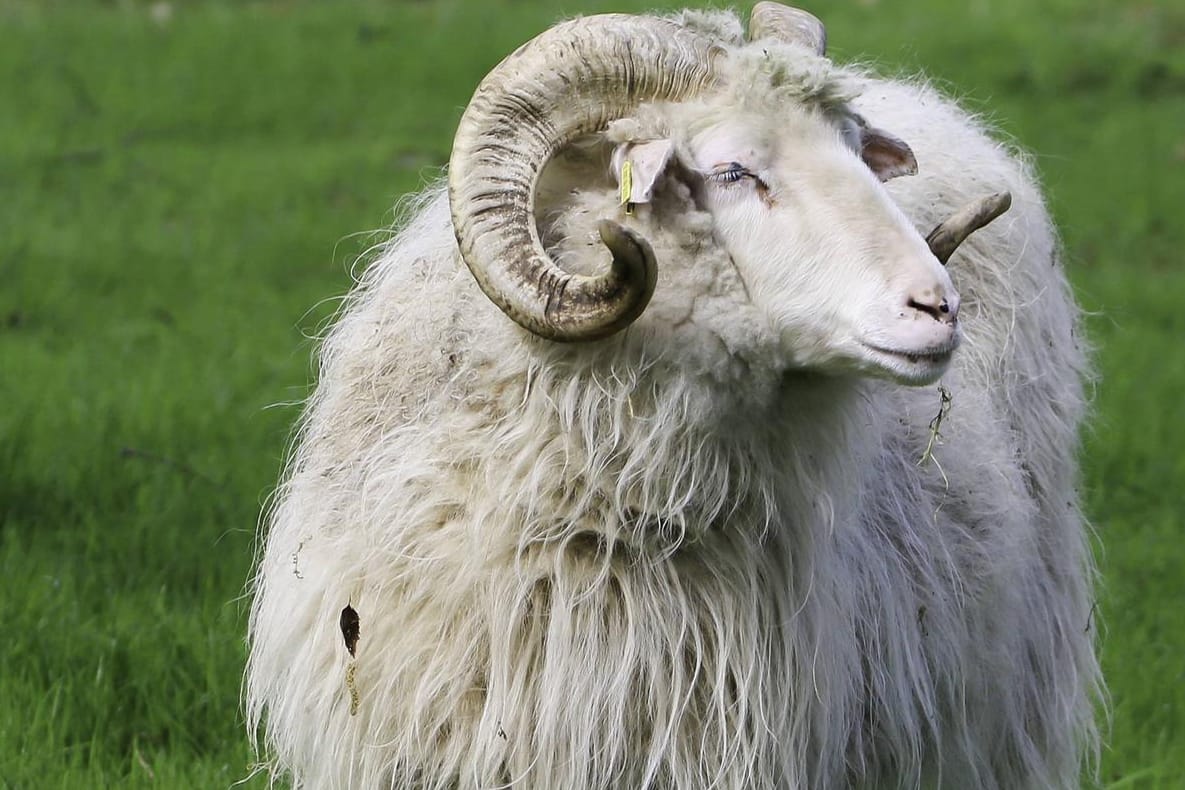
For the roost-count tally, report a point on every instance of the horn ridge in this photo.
(790, 25)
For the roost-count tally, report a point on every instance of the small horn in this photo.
(791, 25)
(952, 232)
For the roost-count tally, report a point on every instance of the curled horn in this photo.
(568, 81)
(791, 25)
(952, 232)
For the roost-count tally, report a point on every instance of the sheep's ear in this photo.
(637, 166)
(886, 155)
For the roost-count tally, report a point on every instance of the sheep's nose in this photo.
(937, 302)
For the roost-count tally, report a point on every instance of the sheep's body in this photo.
(665, 561)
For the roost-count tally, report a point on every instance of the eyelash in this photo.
(732, 172)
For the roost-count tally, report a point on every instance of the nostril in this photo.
(940, 310)
(928, 309)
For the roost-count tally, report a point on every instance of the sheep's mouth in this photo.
(912, 366)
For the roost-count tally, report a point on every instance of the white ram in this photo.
(725, 546)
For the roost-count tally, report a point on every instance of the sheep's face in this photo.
(786, 177)
(842, 275)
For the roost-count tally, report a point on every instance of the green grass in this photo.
(178, 203)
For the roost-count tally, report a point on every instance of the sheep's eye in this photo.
(730, 173)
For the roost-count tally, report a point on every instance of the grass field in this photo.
(179, 202)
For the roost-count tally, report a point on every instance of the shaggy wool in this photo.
(675, 558)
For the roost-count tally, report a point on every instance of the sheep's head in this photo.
(767, 144)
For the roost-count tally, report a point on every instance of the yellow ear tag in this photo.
(627, 186)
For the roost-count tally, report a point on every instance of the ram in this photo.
(657, 449)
